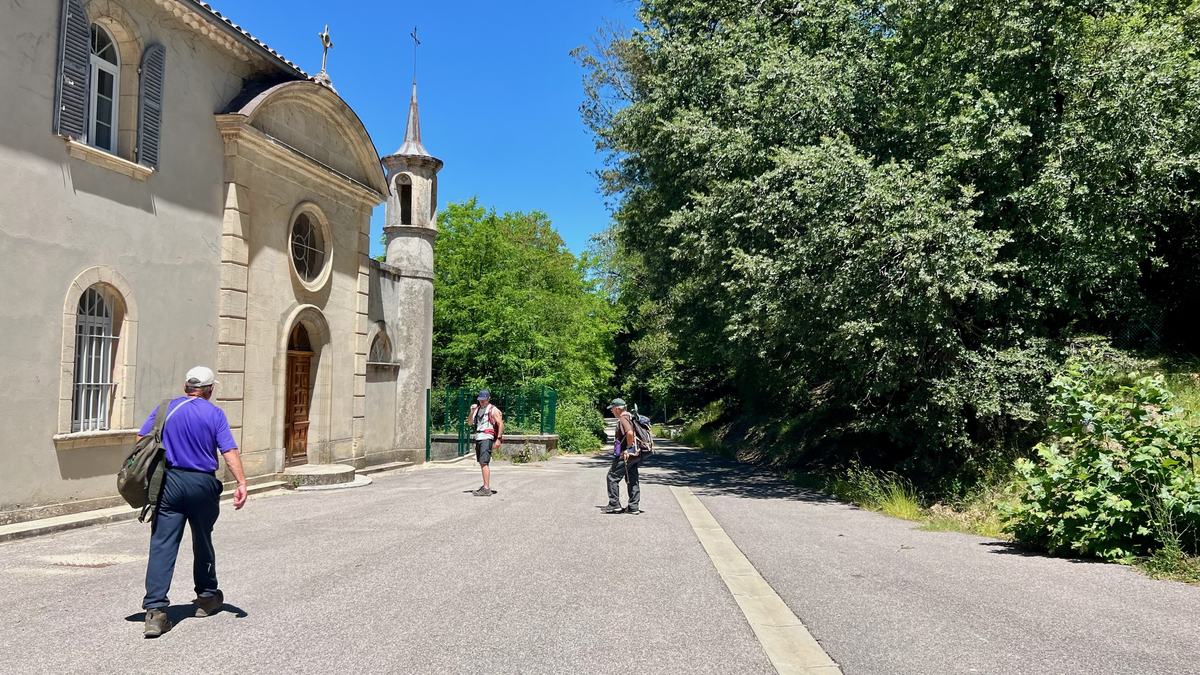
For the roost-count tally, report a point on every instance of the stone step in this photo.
(318, 474)
(115, 514)
(379, 468)
(359, 481)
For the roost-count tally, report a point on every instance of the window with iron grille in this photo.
(95, 349)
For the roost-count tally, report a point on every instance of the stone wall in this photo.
(71, 215)
(197, 251)
(516, 447)
(401, 310)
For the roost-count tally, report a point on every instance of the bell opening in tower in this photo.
(406, 204)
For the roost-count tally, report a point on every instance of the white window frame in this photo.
(98, 65)
(93, 384)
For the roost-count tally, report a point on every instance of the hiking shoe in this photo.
(633, 511)
(482, 492)
(157, 623)
(209, 605)
(613, 509)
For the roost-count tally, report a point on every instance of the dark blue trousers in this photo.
(191, 498)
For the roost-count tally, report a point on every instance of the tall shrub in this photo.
(580, 426)
(1118, 476)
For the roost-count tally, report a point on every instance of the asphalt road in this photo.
(412, 574)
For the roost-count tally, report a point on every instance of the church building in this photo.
(177, 193)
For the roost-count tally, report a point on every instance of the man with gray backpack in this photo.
(633, 444)
(191, 434)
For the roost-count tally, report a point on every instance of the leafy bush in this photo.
(580, 426)
(1116, 479)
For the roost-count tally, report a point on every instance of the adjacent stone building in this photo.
(177, 193)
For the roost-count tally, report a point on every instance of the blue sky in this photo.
(499, 91)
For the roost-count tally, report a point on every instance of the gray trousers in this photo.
(629, 472)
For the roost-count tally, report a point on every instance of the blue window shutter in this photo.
(150, 104)
(71, 95)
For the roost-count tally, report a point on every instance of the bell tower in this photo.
(406, 276)
(410, 225)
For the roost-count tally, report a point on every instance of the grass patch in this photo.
(1183, 379)
(697, 432)
(887, 493)
(704, 439)
(894, 495)
(979, 518)
(1172, 564)
(668, 431)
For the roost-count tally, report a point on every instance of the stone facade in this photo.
(195, 257)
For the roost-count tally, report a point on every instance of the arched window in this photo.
(95, 351)
(404, 185)
(105, 90)
(298, 339)
(381, 350)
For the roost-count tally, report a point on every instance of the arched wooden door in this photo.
(299, 396)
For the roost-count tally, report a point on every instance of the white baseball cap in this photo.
(200, 377)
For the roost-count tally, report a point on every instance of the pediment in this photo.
(315, 122)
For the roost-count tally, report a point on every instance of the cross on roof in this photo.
(416, 43)
(326, 45)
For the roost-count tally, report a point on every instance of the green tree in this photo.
(886, 216)
(513, 306)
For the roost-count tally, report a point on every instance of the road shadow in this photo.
(680, 466)
(180, 613)
(1024, 551)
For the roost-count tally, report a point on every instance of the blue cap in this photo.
(485, 395)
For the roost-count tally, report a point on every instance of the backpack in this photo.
(141, 476)
(643, 438)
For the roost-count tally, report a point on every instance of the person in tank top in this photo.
(487, 432)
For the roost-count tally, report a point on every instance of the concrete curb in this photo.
(388, 469)
(456, 460)
(116, 514)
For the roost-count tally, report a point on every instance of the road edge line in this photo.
(789, 646)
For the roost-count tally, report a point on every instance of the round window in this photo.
(308, 248)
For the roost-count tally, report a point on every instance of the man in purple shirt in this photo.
(194, 431)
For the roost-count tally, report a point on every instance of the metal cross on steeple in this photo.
(326, 44)
(416, 43)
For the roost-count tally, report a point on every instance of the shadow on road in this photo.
(1021, 550)
(677, 465)
(180, 613)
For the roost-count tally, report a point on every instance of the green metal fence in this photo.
(528, 409)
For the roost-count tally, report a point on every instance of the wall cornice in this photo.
(401, 272)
